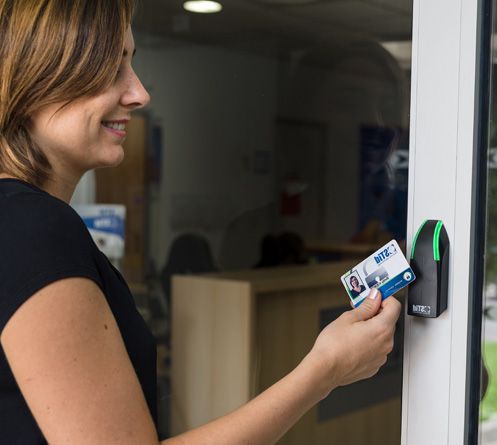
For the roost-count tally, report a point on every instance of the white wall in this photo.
(216, 109)
(361, 86)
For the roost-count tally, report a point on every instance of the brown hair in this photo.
(52, 51)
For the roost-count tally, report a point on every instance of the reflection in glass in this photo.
(284, 142)
(488, 406)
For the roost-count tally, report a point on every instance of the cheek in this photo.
(72, 134)
(80, 130)
(63, 130)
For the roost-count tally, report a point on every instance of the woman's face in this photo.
(79, 137)
(354, 282)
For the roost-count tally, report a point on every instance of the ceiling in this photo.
(279, 26)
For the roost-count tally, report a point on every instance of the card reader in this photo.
(427, 296)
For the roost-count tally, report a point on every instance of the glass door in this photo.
(284, 128)
(482, 391)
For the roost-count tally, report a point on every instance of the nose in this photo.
(135, 96)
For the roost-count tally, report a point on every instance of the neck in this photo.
(61, 188)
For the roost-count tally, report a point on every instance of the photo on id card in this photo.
(386, 269)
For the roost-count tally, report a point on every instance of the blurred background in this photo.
(272, 158)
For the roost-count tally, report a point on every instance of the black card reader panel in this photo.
(427, 296)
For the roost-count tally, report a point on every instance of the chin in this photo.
(113, 159)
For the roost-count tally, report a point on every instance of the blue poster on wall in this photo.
(384, 176)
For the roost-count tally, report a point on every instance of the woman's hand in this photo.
(356, 344)
(351, 348)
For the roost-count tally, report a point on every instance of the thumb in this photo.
(370, 305)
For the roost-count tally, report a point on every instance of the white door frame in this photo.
(442, 185)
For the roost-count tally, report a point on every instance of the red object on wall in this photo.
(290, 204)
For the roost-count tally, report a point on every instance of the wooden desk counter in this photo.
(236, 333)
(287, 278)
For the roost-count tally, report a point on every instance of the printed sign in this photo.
(106, 225)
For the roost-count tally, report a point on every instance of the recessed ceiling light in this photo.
(288, 2)
(203, 6)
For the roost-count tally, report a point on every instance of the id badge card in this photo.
(386, 269)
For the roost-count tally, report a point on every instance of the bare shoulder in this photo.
(67, 355)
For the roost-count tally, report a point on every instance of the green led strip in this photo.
(436, 239)
(413, 248)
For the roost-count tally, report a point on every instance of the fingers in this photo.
(369, 307)
(390, 310)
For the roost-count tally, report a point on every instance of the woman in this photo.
(356, 289)
(77, 363)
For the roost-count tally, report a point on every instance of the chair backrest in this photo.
(240, 246)
(189, 254)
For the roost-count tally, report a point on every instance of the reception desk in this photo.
(236, 333)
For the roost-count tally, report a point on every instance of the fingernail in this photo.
(373, 294)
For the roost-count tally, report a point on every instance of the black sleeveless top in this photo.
(42, 240)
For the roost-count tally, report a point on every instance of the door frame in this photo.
(483, 94)
(447, 181)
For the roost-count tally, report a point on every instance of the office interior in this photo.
(273, 157)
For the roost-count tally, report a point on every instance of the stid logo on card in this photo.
(387, 269)
(385, 253)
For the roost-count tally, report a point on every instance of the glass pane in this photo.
(275, 147)
(488, 390)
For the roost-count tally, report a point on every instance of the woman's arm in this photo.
(266, 418)
(69, 360)
(68, 357)
(353, 347)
